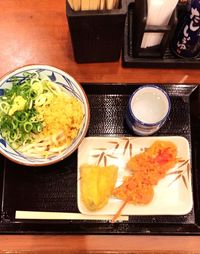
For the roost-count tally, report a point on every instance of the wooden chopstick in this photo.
(116, 3)
(85, 5)
(77, 5)
(110, 4)
(36, 215)
(94, 4)
(102, 4)
(71, 4)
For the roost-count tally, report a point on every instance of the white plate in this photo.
(172, 195)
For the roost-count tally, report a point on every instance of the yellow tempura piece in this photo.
(97, 184)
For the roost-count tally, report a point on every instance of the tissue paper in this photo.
(158, 14)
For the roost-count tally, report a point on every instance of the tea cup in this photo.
(148, 109)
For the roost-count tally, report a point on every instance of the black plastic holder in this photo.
(155, 57)
(140, 27)
(97, 36)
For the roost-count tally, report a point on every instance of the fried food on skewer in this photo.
(147, 169)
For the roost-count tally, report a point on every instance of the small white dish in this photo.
(148, 109)
(172, 195)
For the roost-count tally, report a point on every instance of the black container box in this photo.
(97, 36)
(135, 57)
(140, 27)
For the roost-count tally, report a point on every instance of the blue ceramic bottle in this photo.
(186, 42)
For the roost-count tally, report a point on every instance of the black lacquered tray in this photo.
(54, 188)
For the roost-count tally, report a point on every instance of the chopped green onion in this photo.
(4, 107)
(28, 127)
(19, 118)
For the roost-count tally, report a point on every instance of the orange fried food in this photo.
(135, 189)
(154, 162)
(147, 169)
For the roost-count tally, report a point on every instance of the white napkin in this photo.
(159, 14)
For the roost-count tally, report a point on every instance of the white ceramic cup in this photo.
(148, 109)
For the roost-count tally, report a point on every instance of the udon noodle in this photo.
(59, 113)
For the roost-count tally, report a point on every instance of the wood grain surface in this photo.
(36, 32)
(100, 244)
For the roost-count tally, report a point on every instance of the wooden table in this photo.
(36, 32)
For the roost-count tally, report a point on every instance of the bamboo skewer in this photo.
(118, 213)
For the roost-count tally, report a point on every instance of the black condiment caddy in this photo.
(97, 36)
(159, 56)
(101, 36)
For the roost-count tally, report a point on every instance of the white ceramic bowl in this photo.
(63, 79)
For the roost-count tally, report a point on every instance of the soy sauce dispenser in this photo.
(186, 41)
